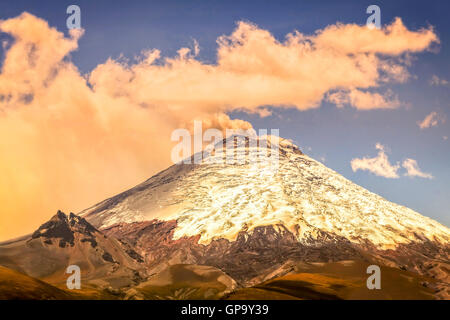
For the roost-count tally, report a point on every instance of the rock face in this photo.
(249, 256)
(63, 228)
(71, 240)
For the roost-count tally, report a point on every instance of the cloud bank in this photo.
(69, 140)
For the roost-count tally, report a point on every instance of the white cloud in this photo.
(381, 166)
(413, 169)
(378, 165)
(431, 120)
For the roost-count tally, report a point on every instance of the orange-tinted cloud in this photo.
(431, 120)
(381, 166)
(68, 141)
(364, 100)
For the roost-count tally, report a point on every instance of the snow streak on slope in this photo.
(217, 200)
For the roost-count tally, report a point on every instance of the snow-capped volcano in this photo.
(215, 200)
(255, 210)
(251, 210)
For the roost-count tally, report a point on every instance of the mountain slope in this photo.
(338, 280)
(249, 217)
(184, 282)
(15, 285)
(216, 200)
(71, 240)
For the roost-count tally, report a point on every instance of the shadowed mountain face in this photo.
(64, 228)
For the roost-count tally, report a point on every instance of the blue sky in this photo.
(336, 134)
